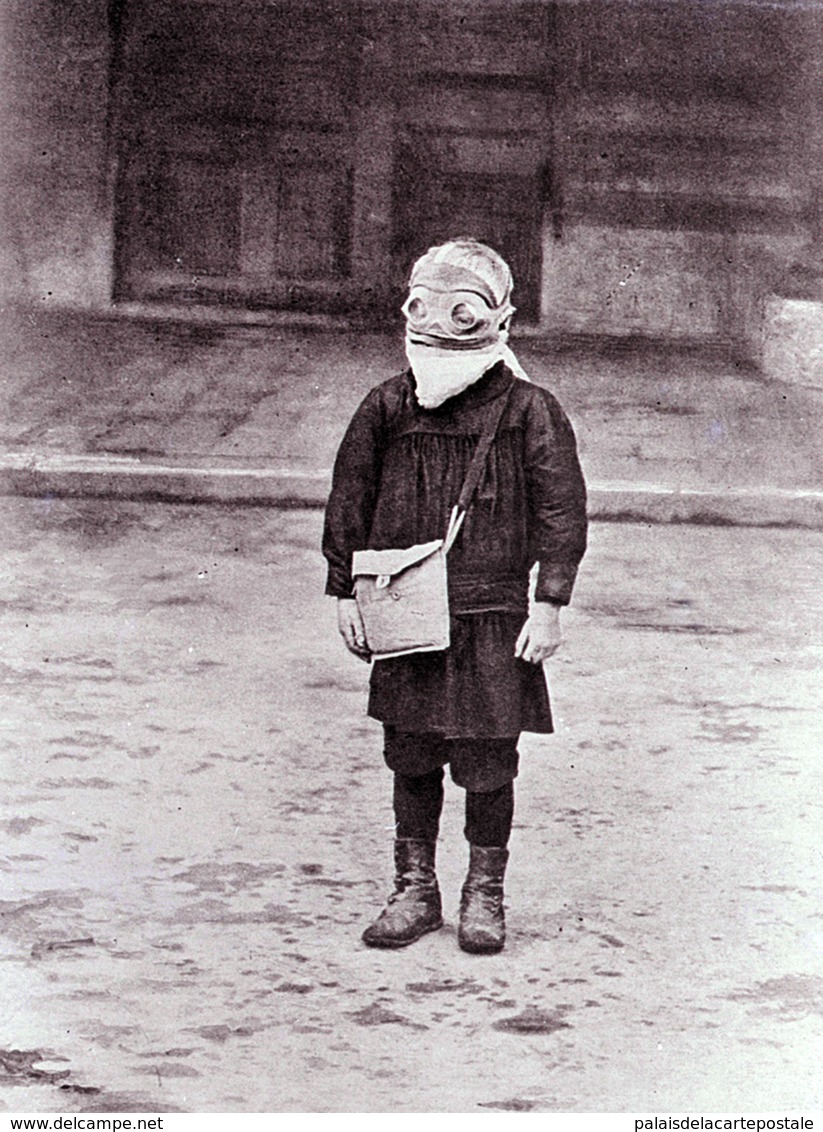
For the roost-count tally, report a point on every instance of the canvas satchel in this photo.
(403, 595)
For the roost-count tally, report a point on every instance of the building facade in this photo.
(649, 167)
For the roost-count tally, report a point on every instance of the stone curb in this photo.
(718, 507)
(118, 477)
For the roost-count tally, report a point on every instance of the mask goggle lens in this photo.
(447, 313)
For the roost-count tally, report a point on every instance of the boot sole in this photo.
(394, 944)
(481, 949)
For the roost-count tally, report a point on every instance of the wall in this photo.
(54, 173)
(789, 345)
(677, 145)
(664, 148)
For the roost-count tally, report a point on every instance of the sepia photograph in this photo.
(411, 601)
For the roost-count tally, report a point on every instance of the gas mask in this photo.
(456, 330)
(453, 308)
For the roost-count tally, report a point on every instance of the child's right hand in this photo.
(350, 625)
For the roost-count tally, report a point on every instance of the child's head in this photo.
(459, 295)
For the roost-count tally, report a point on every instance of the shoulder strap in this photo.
(475, 471)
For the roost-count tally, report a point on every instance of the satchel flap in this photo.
(389, 563)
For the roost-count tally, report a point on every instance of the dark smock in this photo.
(397, 476)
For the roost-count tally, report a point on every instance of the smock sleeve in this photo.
(557, 499)
(351, 503)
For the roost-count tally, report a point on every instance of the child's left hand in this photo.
(540, 637)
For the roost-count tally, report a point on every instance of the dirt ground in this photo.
(196, 827)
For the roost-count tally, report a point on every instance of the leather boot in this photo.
(414, 907)
(482, 927)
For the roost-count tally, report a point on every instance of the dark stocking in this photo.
(418, 801)
(489, 817)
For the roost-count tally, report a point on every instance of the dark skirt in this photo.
(475, 689)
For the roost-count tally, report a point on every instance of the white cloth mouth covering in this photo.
(457, 317)
(440, 374)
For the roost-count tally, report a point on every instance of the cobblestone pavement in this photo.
(196, 827)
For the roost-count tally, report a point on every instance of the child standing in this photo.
(398, 473)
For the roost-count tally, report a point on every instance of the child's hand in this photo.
(540, 637)
(350, 624)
